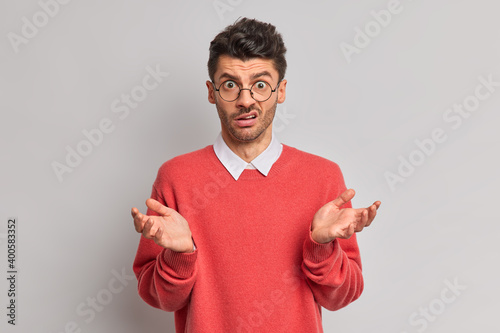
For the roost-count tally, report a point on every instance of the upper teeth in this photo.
(252, 116)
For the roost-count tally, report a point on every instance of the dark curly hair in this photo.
(247, 39)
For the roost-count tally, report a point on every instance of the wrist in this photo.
(321, 238)
(190, 249)
(184, 246)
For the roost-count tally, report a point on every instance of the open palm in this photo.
(331, 222)
(169, 230)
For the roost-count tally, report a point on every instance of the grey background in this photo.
(440, 224)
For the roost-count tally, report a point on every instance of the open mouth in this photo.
(251, 115)
(247, 119)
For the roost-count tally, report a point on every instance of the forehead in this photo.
(244, 69)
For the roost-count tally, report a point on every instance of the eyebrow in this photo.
(238, 78)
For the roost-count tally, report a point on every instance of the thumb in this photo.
(157, 207)
(345, 197)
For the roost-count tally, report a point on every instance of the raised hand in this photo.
(331, 222)
(169, 230)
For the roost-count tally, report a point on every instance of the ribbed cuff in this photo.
(178, 264)
(317, 252)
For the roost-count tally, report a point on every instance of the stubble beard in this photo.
(245, 135)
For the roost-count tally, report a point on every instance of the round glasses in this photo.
(260, 91)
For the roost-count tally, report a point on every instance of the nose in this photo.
(245, 100)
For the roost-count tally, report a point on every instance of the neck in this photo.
(248, 151)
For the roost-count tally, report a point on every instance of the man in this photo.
(248, 234)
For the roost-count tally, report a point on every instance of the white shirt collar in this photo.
(235, 165)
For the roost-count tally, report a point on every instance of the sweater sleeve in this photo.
(333, 270)
(165, 277)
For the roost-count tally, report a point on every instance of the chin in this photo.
(245, 135)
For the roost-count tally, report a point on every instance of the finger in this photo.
(345, 197)
(372, 212)
(362, 221)
(158, 236)
(139, 220)
(158, 207)
(374, 206)
(146, 229)
(150, 229)
(349, 232)
(134, 211)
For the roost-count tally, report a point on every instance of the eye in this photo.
(230, 84)
(260, 85)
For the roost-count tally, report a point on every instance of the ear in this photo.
(282, 92)
(211, 92)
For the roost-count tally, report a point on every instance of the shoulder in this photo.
(316, 172)
(188, 163)
(196, 156)
(312, 162)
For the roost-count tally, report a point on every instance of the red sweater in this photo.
(255, 267)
